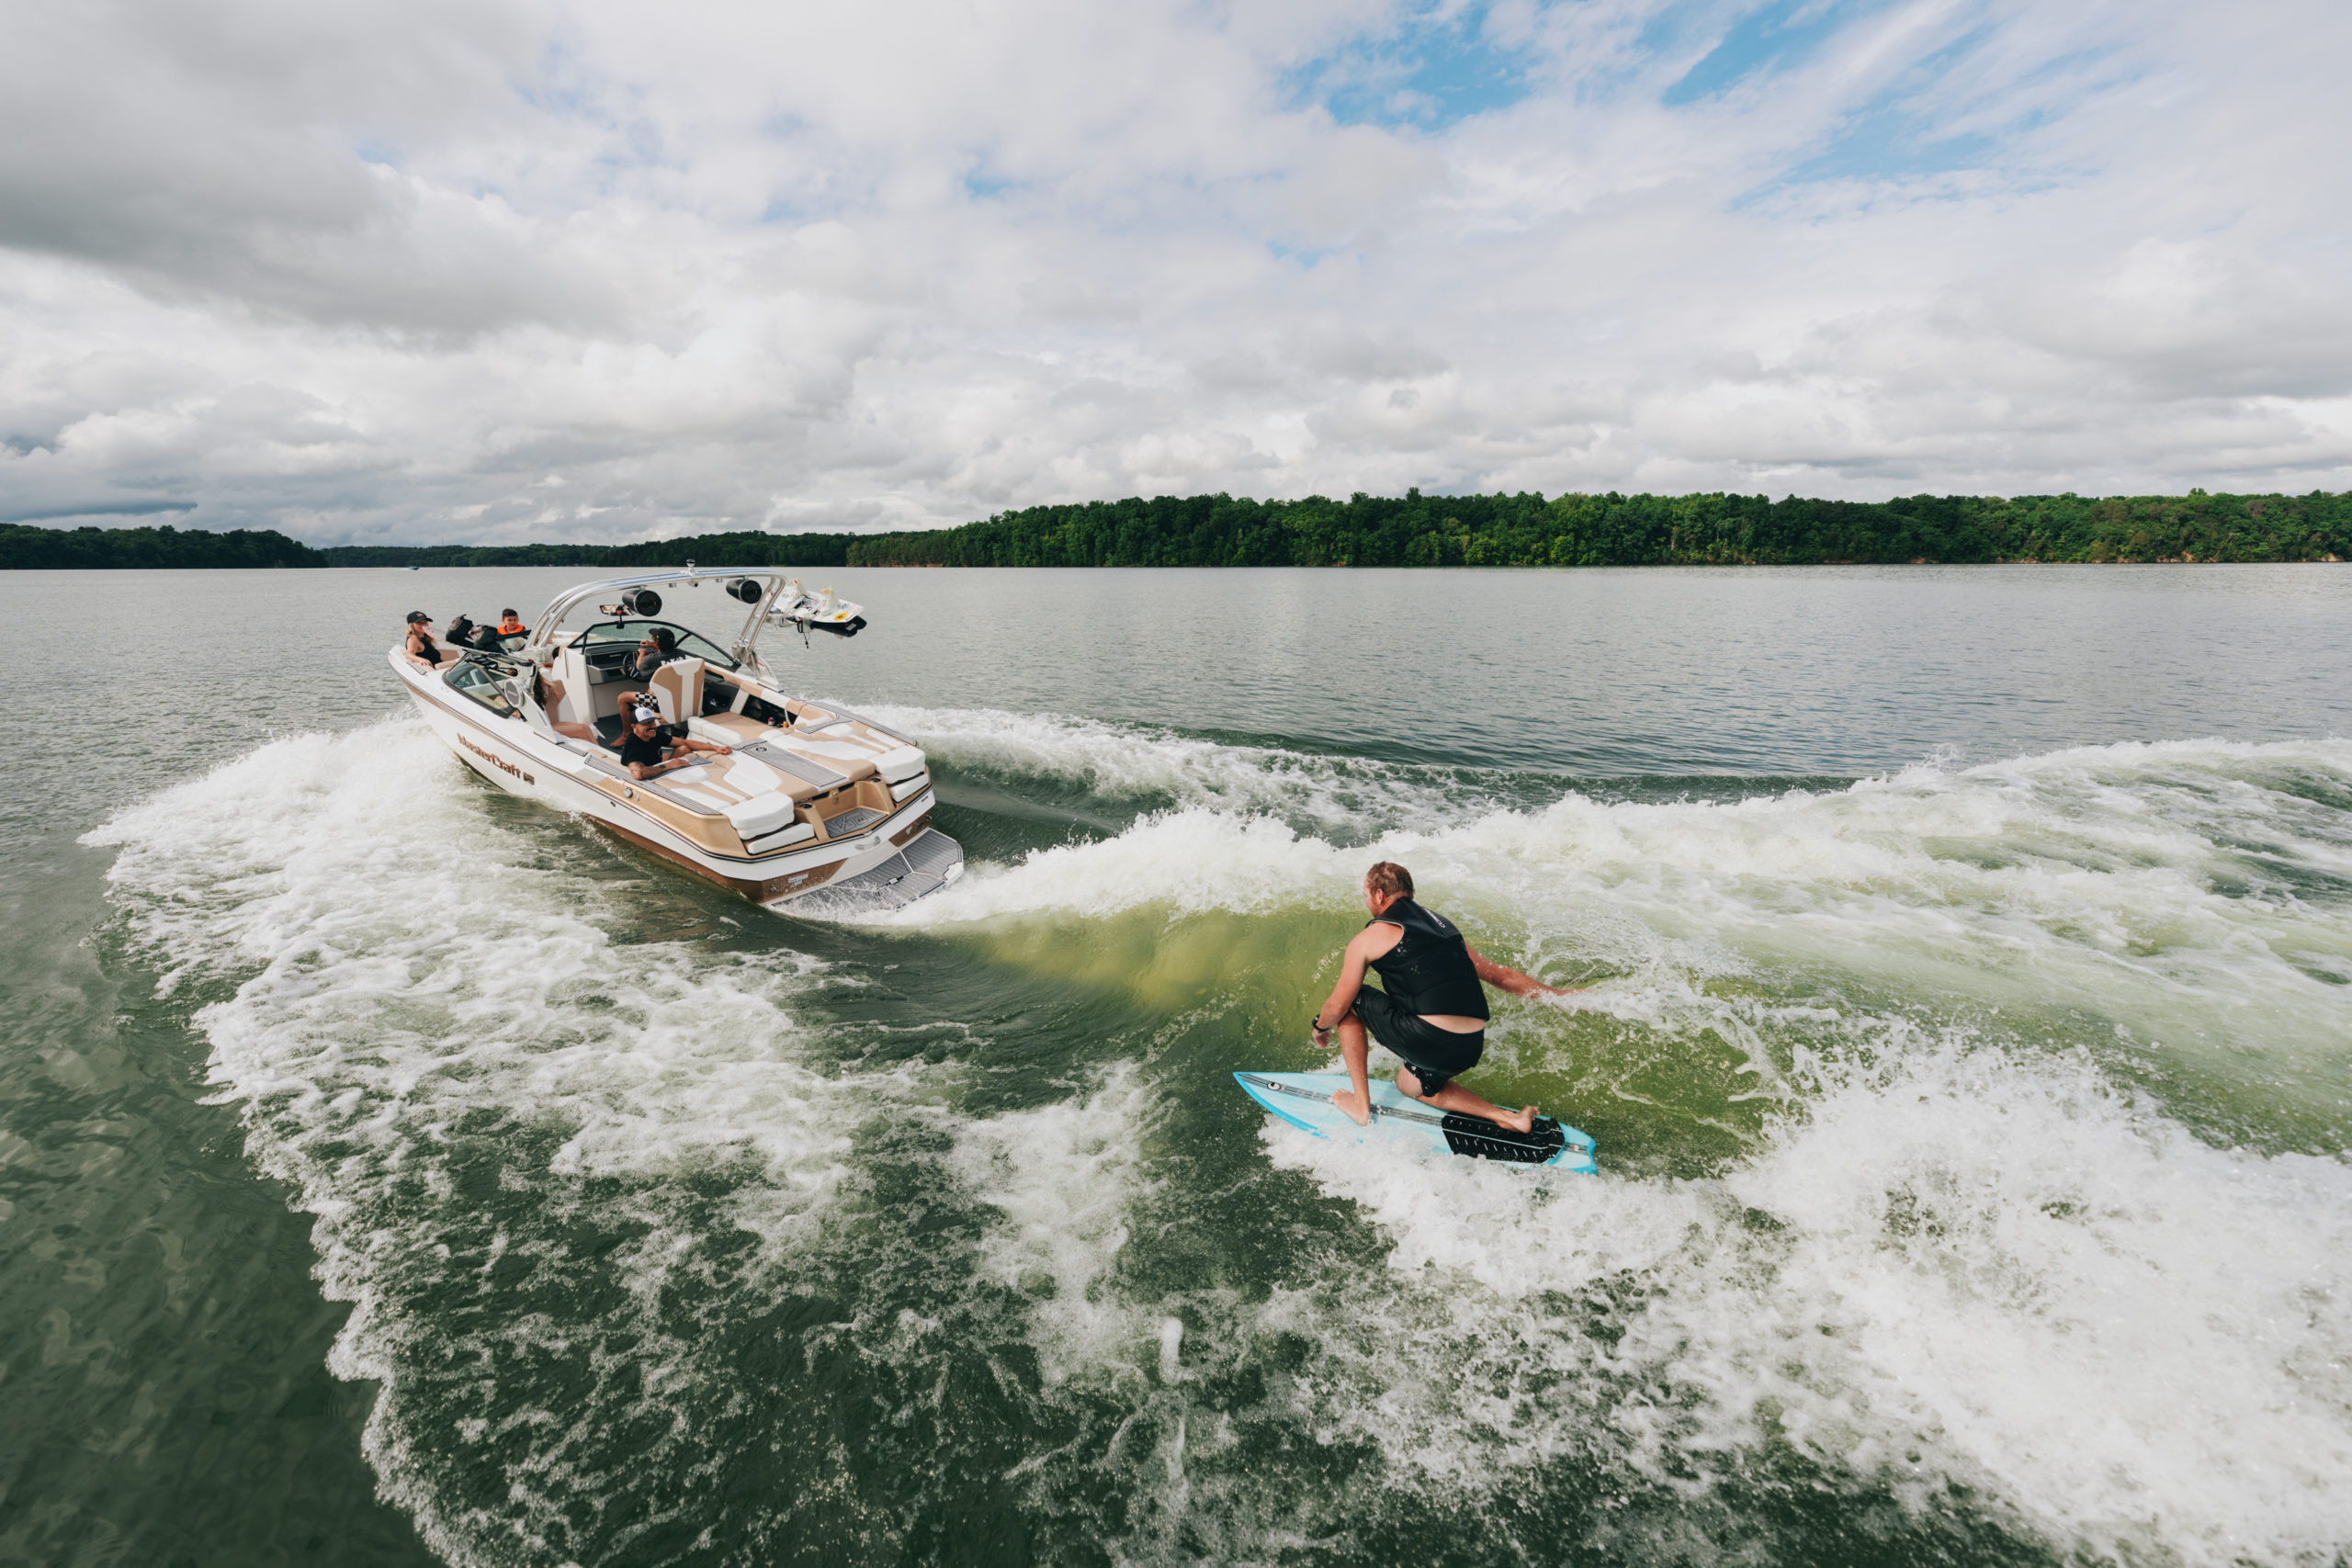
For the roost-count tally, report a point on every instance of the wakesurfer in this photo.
(1433, 1012)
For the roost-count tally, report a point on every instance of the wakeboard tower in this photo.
(1304, 1100)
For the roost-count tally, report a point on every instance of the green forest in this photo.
(1713, 529)
(26, 548)
(1634, 530)
(83, 548)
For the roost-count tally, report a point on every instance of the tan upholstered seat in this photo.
(677, 690)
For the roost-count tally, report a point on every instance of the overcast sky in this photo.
(427, 270)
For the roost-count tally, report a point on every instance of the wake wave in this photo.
(2182, 890)
(1140, 765)
(1972, 1128)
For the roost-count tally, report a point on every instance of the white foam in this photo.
(1965, 1268)
(1131, 762)
(1190, 861)
(409, 956)
(1958, 1255)
(1958, 1258)
(409, 975)
(1062, 1178)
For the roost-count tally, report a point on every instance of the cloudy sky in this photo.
(426, 270)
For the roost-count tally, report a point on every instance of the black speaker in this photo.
(641, 601)
(746, 590)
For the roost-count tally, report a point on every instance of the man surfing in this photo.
(1433, 1013)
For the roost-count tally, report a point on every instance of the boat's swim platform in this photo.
(1304, 1100)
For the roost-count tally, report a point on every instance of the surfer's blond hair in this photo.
(1389, 880)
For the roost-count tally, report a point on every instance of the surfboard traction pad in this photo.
(1474, 1136)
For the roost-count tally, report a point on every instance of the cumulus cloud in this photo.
(514, 269)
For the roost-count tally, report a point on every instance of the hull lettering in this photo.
(501, 763)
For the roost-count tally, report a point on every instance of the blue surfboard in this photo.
(1304, 1100)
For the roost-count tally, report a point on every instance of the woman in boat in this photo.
(423, 651)
(543, 693)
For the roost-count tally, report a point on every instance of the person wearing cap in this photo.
(657, 647)
(423, 651)
(645, 753)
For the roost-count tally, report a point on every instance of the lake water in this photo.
(394, 1172)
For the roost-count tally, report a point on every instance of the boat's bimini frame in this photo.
(816, 807)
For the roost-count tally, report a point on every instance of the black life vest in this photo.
(1428, 970)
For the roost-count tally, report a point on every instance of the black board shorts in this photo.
(1435, 1055)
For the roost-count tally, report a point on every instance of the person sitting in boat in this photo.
(1433, 1012)
(510, 625)
(645, 751)
(657, 647)
(543, 694)
(423, 651)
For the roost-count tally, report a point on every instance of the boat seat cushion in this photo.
(677, 690)
(727, 729)
(899, 764)
(666, 787)
(765, 813)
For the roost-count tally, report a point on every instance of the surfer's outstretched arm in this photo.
(1503, 977)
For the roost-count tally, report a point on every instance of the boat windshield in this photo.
(608, 634)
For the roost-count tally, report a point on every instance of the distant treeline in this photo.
(1633, 530)
(711, 549)
(58, 549)
(32, 549)
(1366, 530)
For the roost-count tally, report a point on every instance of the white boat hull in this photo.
(885, 864)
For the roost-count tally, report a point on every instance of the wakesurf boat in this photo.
(819, 809)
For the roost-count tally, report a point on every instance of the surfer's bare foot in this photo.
(1522, 1120)
(1353, 1104)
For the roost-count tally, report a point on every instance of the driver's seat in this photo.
(677, 689)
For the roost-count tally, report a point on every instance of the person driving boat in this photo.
(657, 647)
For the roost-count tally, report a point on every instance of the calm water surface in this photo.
(392, 1172)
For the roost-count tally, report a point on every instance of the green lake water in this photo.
(394, 1172)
